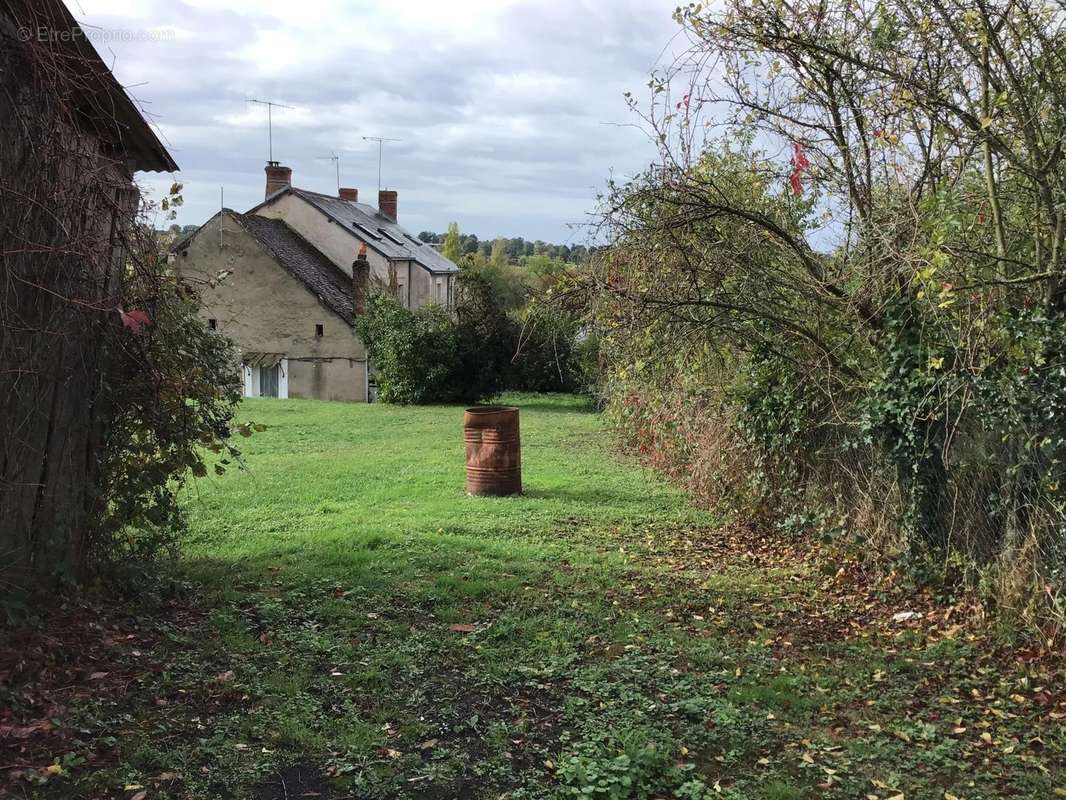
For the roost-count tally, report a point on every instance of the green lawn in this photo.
(354, 626)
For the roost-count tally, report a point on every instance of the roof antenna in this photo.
(221, 213)
(380, 140)
(271, 105)
(336, 159)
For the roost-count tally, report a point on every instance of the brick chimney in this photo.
(278, 177)
(360, 281)
(387, 203)
(348, 194)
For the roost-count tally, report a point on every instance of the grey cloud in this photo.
(505, 137)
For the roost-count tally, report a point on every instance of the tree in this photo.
(451, 249)
(428, 356)
(857, 313)
(499, 256)
(413, 352)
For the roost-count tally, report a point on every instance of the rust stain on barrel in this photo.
(493, 451)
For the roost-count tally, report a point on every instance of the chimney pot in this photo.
(278, 177)
(387, 203)
(345, 193)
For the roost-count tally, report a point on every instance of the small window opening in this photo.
(212, 324)
(320, 330)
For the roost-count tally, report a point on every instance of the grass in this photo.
(353, 625)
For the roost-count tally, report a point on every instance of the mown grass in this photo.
(354, 625)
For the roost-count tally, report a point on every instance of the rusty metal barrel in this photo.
(493, 451)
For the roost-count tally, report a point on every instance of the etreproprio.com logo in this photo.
(96, 35)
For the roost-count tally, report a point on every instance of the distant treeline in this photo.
(515, 249)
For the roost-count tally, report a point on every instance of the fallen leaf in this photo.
(26, 731)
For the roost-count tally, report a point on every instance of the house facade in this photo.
(286, 280)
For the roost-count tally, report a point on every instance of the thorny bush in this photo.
(840, 294)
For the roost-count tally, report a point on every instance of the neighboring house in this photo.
(288, 297)
(339, 225)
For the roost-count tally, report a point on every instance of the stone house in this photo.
(290, 289)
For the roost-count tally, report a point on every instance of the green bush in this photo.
(431, 356)
(832, 319)
(414, 353)
(550, 353)
(174, 387)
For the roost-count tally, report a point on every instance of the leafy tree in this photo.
(499, 256)
(866, 325)
(414, 353)
(549, 356)
(451, 248)
(486, 338)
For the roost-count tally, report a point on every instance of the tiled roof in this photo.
(303, 261)
(380, 232)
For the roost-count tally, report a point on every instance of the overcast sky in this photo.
(510, 112)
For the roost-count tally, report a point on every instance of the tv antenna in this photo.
(380, 140)
(336, 159)
(271, 105)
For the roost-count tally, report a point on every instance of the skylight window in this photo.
(366, 230)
